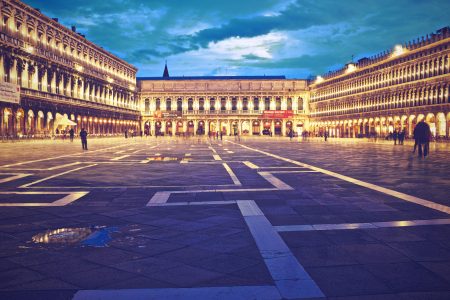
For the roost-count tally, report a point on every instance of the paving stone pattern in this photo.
(198, 241)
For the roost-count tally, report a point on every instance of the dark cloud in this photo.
(146, 32)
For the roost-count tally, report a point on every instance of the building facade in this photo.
(50, 74)
(245, 105)
(391, 91)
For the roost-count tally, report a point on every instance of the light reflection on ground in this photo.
(62, 235)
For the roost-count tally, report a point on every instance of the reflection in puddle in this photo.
(62, 235)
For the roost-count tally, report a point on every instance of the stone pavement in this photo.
(260, 218)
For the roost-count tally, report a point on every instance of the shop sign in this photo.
(167, 114)
(277, 114)
(9, 92)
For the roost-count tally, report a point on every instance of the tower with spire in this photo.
(166, 71)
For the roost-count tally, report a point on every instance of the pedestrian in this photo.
(291, 134)
(325, 135)
(83, 137)
(142, 134)
(221, 133)
(126, 133)
(422, 137)
(401, 137)
(71, 134)
(395, 136)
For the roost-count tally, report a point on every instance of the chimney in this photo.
(74, 28)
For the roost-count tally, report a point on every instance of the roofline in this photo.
(280, 77)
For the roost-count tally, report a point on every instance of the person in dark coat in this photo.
(395, 136)
(83, 137)
(71, 134)
(401, 137)
(422, 137)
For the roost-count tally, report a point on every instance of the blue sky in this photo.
(296, 38)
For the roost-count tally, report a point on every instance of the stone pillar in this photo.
(283, 127)
(195, 126)
(272, 127)
(174, 127)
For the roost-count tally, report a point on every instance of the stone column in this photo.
(283, 127)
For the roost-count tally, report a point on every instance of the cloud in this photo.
(292, 37)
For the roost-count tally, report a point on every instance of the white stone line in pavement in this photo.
(71, 197)
(209, 293)
(220, 202)
(399, 195)
(217, 157)
(187, 154)
(14, 176)
(56, 175)
(131, 186)
(350, 226)
(119, 152)
(158, 201)
(119, 157)
(291, 279)
(63, 166)
(250, 165)
(159, 198)
(292, 172)
(275, 181)
(232, 175)
(230, 152)
(58, 157)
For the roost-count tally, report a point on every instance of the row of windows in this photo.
(416, 55)
(63, 83)
(49, 38)
(420, 70)
(407, 98)
(224, 103)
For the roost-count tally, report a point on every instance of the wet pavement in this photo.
(263, 218)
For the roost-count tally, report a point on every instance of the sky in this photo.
(295, 38)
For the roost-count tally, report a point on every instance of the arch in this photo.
(147, 106)
(179, 104)
(300, 103)
(168, 104)
(441, 125)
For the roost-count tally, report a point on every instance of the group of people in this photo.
(422, 138)
(399, 136)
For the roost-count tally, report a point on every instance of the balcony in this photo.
(221, 113)
(62, 99)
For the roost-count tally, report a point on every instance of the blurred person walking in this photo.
(422, 137)
(83, 137)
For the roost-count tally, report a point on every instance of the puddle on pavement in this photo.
(86, 236)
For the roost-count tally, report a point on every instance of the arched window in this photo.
(147, 106)
(201, 104)
(223, 104)
(255, 104)
(267, 103)
(168, 104)
(234, 104)
(278, 103)
(300, 103)
(289, 104)
(158, 104)
(190, 104)
(212, 104)
(245, 104)
(179, 104)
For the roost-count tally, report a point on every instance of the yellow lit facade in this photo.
(232, 105)
(391, 91)
(61, 75)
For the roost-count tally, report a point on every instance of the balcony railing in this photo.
(72, 101)
(219, 112)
